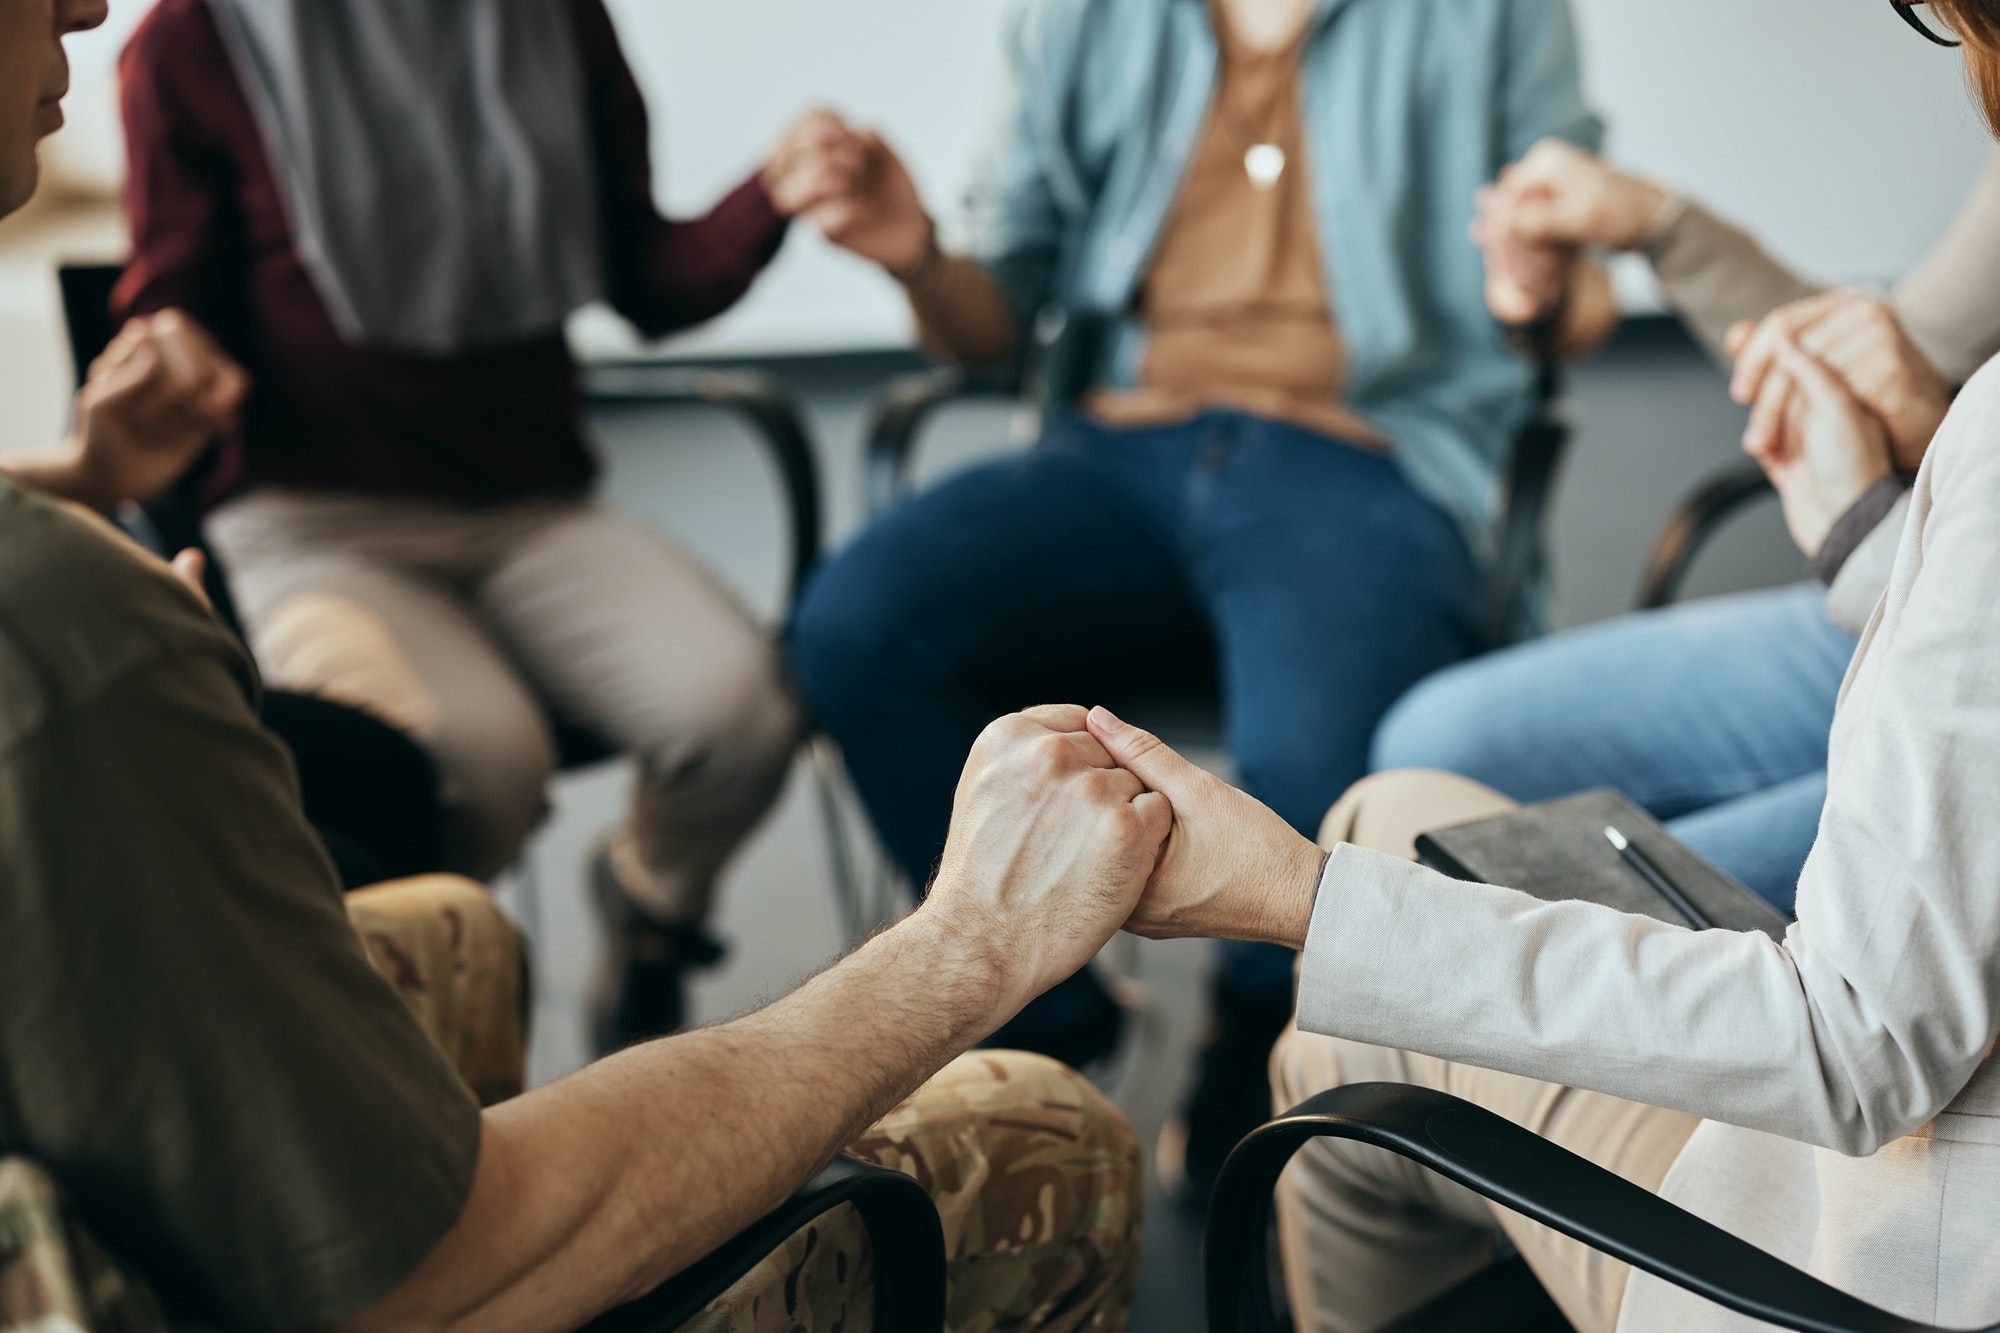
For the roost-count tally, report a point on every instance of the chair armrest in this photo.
(769, 408)
(1690, 527)
(1534, 467)
(903, 1229)
(1517, 1169)
(897, 418)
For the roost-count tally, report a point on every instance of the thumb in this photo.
(191, 568)
(1145, 756)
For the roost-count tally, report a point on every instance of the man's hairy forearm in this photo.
(962, 315)
(595, 1189)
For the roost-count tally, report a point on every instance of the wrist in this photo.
(1294, 888)
(915, 264)
(973, 968)
(1645, 210)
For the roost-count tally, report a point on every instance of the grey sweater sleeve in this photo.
(1714, 273)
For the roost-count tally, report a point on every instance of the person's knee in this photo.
(1443, 722)
(495, 765)
(1385, 812)
(460, 965)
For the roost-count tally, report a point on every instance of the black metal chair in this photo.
(1700, 516)
(904, 1234)
(1520, 1170)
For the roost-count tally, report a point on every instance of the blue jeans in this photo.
(1303, 576)
(1713, 716)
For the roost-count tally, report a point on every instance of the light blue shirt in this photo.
(1410, 106)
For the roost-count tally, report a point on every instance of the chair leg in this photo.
(827, 785)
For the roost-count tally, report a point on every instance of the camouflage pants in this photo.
(1037, 1177)
(1039, 1181)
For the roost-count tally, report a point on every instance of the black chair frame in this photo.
(1520, 1170)
(1693, 524)
(904, 1232)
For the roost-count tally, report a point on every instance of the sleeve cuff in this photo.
(1863, 576)
(1848, 531)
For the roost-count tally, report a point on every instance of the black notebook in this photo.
(1558, 852)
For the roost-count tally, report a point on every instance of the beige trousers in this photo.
(1367, 1236)
(469, 627)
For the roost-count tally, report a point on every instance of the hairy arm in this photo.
(591, 1192)
(594, 1190)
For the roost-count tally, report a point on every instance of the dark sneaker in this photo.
(640, 989)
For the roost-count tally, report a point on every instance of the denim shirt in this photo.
(1410, 106)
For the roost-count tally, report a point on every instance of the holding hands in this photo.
(152, 405)
(852, 186)
(1858, 338)
(1536, 222)
(1051, 845)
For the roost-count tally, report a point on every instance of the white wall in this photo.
(1827, 125)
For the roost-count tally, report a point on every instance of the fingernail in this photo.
(1106, 720)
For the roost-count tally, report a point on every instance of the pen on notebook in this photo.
(1656, 877)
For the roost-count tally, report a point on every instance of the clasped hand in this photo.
(152, 404)
(1069, 825)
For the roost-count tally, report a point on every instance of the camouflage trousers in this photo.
(1038, 1179)
(1040, 1184)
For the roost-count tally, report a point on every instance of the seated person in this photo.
(1714, 715)
(1283, 468)
(1831, 1098)
(386, 211)
(151, 405)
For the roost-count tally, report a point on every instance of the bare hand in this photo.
(1534, 223)
(153, 403)
(1559, 194)
(1830, 450)
(1857, 337)
(1050, 846)
(853, 187)
(1231, 869)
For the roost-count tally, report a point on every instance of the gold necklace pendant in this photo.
(1265, 162)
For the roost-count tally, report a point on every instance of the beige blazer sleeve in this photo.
(1885, 996)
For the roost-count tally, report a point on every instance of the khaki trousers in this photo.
(467, 627)
(1367, 1236)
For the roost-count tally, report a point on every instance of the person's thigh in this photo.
(627, 635)
(1039, 578)
(461, 966)
(1368, 1236)
(1763, 838)
(1333, 586)
(1039, 1183)
(1680, 709)
(407, 649)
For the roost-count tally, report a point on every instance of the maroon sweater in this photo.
(211, 235)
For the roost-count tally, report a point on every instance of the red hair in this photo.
(1977, 24)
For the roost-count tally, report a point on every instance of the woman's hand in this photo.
(1560, 195)
(1231, 868)
(1857, 337)
(1831, 448)
(854, 188)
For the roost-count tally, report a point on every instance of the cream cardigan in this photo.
(1847, 1079)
